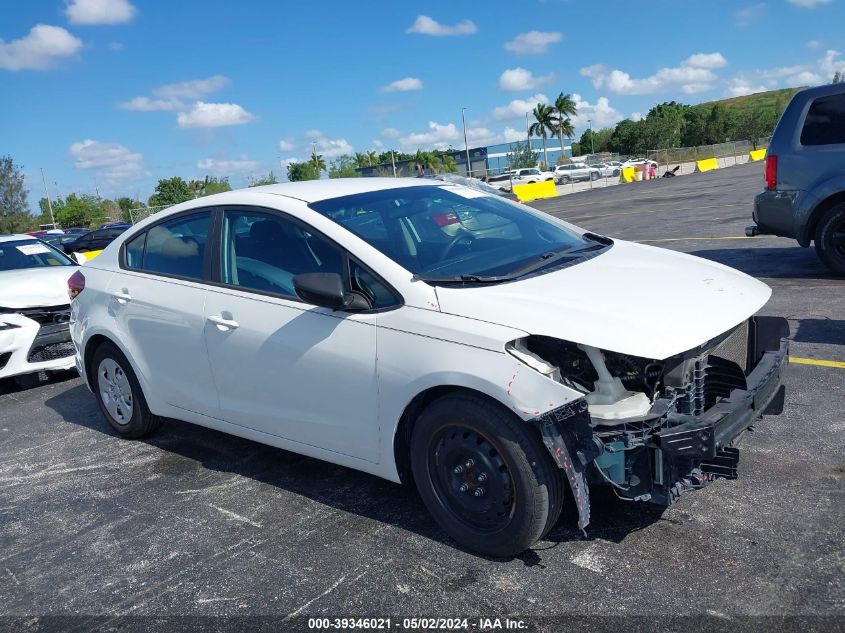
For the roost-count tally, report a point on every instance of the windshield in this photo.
(20, 254)
(453, 231)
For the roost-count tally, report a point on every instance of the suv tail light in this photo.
(75, 284)
(771, 172)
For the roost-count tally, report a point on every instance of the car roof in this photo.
(11, 237)
(316, 190)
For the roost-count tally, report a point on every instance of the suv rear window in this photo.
(825, 123)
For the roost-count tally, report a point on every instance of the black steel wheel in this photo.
(830, 239)
(484, 474)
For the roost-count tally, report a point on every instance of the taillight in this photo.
(445, 219)
(771, 172)
(75, 284)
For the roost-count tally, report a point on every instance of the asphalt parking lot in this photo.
(194, 522)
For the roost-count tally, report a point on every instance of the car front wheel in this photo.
(594, 176)
(830, 239)
(485, 475)
(119, 394)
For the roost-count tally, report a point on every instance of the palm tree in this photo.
(372, 158)
(564, 107)
(318, 162)
(544, 121)
(362, 159)
(448, 164)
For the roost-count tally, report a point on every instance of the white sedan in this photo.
(34, 310)
(420, 331)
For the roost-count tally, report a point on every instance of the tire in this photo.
(565, 180)
(462, 444)
(615, 172)
(119, 394)
(594, 176)
(830, 239)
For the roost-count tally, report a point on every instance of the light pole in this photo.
(47, 194)
(466, 145)
(592, 143)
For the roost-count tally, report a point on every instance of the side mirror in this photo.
(322, 289)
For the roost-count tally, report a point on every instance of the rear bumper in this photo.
(784, 213)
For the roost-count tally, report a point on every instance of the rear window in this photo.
(825, 123)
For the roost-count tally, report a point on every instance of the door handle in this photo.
(123, 296)
(222, 323)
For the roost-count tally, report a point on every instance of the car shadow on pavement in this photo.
(819, 330)
(191, 451)
(23, 383)
(776, 263)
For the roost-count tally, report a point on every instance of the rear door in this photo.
(157, 299)
(281, 366)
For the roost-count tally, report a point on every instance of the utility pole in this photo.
(466, 145)
(316, 164)
(393, 160)
(592, 142)
(47, 193)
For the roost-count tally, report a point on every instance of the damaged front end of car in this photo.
(651, 429)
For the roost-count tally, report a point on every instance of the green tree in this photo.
(269, 179)
(564, 108)
(544, 122)
(344, 167)
(216, 185)
(79, 210)
(318, 162)
(302, 171)
(171, 191)
(521, 156)
(128, 206)
(448, 164)
(14, 214)
(361, 159)
(754, 125)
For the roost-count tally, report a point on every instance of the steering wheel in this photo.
(462, 236)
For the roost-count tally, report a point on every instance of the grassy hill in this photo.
(757, 101)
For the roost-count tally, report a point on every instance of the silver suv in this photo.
(805, 175)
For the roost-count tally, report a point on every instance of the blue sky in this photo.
(116, 94)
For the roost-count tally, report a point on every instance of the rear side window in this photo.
(825, 123)
(176, 247)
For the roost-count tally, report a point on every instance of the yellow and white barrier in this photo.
(81, 258)
(535, 190)
(628, 174)
(757, 154)
(708, 164)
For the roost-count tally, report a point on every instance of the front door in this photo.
(281, 366)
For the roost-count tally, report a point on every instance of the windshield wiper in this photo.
(551, 257)
(463, 279)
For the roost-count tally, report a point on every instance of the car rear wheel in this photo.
(594, 176)
(484, 475)
(119, 394)
(565, 180)
(830, 239)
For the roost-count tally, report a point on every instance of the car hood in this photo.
(631, 299)
(35, 287)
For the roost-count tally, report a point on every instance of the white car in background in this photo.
(606, 170)
(34, 308)
(573, 172)
(427, 332)
(532, 174)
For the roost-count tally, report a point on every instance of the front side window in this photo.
(30, 253)
(825, 122)
(439, 232)
(264, 252)
(175, 247)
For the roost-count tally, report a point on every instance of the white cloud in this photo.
(332, 148)
(533, 42)
(821, 71)
(116, 164)
(214, 115)
(437, 135)
(425, 25)
(814, 44)
(100, 11)
(636, 116)
(177, 96)
(286, 145)
(705, 60)
(39, 49)
(805, 78)
(511, 134)
(228, 167)
(406, 84)
(741, 86)
(601, 113)
(692, 76)
(749, 14)
(378, 144)
(313, 133)
(516, 79)
(518, 107)
(390, 132)
(831, 63)
(808, 4)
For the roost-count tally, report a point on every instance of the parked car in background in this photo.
(34, 308)
(494, 355)
(805, 175)
(503, 182)
(76, 230)
(95, 240)
(59, 241)
(606, 169)
(115, 225)
(475, 183)
(529, 175)
(573, 172)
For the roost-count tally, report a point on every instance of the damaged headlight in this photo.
(614, 385)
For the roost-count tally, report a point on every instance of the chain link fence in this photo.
(684, 158)
(142, 213)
